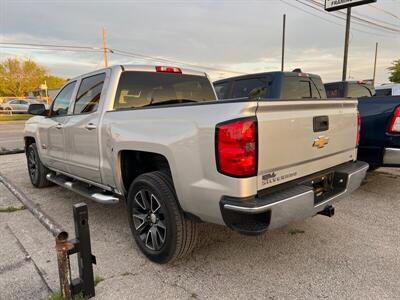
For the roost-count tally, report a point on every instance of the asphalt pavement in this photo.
(11, 136)
(354, 255)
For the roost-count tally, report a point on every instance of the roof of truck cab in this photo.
(351, 81)
(273, 74)
(141, 68)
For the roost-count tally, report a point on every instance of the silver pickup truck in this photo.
(157, 139)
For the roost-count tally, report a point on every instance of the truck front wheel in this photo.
(37, 171)
(158, 225)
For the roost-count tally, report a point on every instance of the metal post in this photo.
(346, 44)
(376, 56)
(85, 257)
(283, 42)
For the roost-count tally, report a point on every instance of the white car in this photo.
(21, 105)
(388, 89)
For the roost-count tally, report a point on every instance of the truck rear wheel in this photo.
(37, 171)
(158, 225)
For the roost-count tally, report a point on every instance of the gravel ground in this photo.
(353, 255)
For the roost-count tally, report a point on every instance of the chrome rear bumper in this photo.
(292, 204)
(391, 156)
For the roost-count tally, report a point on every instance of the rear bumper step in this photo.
(94, 193)
(255, 215)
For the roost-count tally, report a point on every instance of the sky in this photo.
(233, 36)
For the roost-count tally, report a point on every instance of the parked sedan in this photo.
(21, 105)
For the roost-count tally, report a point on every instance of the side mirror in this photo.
(37, 109)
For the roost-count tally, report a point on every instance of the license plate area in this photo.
(323, 187)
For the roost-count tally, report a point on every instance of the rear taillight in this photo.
(168, 69)
(236, 147)
(394, 126)
(358, 128)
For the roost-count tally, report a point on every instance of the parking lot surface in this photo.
(11, 135)
(353, 255)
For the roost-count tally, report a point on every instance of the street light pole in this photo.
(283, 42)
(376, 56)
(346, 44)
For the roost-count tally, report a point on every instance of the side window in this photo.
(296, 88)
(222, 90)
(62, 101)
(253, 88)
(88, 97)
(24, 102)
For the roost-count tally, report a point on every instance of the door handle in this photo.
(90, 126)
(59, 126)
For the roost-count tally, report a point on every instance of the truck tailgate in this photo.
(299, 138)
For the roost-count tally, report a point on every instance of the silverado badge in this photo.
(320, 142)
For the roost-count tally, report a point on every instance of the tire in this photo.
(157, 223)
(37, 171)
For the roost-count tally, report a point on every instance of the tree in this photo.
(54, 82)
(395, 71)
(17, 77)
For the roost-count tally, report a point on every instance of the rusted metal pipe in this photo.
(61, 236)
(56, 230)
(64, 267)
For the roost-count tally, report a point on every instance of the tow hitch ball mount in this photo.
(328, 211)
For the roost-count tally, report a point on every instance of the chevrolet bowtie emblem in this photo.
(320, 142)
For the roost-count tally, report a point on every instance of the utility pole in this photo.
(283, 41)
(105, 47)
(376, 56)
(346, 44)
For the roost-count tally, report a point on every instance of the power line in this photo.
(50, 49)
(365, 21)
(330, 21)
(375, 19)
(73, 48)
(384, 11)
(51, 45)
(341, 15)
(161, 59)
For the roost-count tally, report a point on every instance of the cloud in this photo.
(243, 36)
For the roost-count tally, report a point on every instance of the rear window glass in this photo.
(296, 88)
(355, 90)
(318, 88)
(141, 89)
(252, 88)
(334, 90)
(384, 92)
(221, 89)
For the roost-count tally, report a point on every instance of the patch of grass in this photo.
(194, 296)
(295, 231)
(15, 117)
(11, 209)
(98, 279)
(57, 296)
